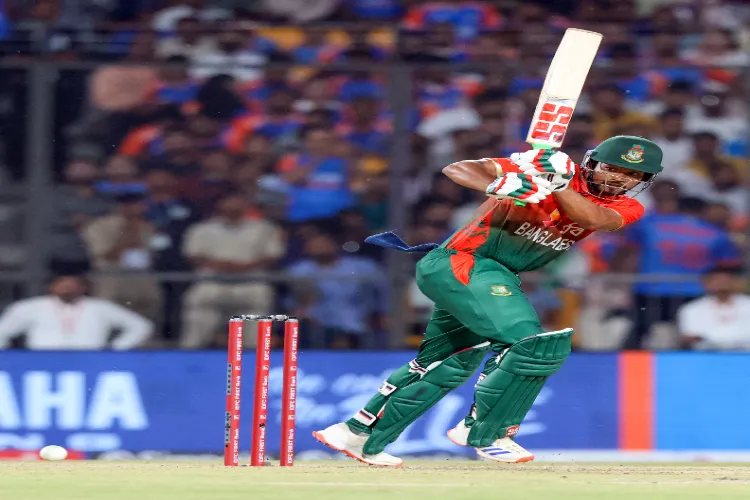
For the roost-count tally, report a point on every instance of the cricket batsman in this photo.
(540, 203)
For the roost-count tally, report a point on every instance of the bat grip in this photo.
(520, 203)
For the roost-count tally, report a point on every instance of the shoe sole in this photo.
(322, 440)
(519, 461)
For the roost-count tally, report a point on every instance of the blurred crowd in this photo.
(268, 138)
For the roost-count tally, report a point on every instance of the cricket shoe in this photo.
(459, 434)
(502, 450)
(341, 438)
(505, 450)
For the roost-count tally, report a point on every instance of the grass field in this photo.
(351, 481)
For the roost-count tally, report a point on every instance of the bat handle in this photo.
(520, 203)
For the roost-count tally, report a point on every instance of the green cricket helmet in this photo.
(624, 151)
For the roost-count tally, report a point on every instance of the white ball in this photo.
(53, 453)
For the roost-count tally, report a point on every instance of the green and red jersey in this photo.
(525, 238)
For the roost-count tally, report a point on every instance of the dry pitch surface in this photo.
(351, 481)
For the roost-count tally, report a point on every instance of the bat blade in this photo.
(562, 87)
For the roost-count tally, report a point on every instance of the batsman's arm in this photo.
(586, 214)
(473, 174)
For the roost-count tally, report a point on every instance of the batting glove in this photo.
(521, 187)
(555, 166)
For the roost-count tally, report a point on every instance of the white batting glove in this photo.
(521, 187)
(555, 166)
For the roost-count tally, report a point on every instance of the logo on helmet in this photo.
(634, 154)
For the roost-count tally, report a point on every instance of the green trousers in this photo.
(478, 304)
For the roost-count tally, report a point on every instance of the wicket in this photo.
(260, 400)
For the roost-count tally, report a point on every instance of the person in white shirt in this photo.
(165, 20)
(234, 54)
(68, 319)
(673, 141)
(188, 40)
(721, 319)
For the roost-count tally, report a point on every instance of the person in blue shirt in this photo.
(339, 309)
(317, 181)
(381, 10)
(671, 240)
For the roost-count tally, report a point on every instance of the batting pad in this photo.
(504, 397)
(406, 404)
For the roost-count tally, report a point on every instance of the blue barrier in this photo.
(174, 401)
(701, 401)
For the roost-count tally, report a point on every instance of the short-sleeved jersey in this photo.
(529, 237)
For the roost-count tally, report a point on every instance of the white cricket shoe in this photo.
(502, 450)
(505, 450)
(459, 434)
(341, 438)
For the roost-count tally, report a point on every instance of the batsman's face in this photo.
(611, 180)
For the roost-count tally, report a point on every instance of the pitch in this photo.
(347, 480)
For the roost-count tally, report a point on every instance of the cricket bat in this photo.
(562, 87)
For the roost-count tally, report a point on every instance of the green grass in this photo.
(351, 481)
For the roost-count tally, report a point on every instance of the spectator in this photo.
(317, 95)
(175, 84)
(340, 309)
(277, 122)
(352, 230)
(706, 150)
(359, 49)
(121, 243)
(381, 10)
(301, 11)
(256, 93)
(719, 320)
(68, 319)
(178, 153)
(717, 47)
(76, 203)
(719, 114)
(167, 19)
(233, 54)
(432, 221)
(668, 241)
(491, 45)
(213, 181)
(728, 188)
(373, 199)
(611, 115)
(367, 129)
(171, 216)
(205, 129)
(143, 48)
(674, 142)
(467, 19)
(121, 175)
(218, 98)
(315, 49)
(188, 41)
(679, 94)
(318, 181)
(147, 139)
(229, 243)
